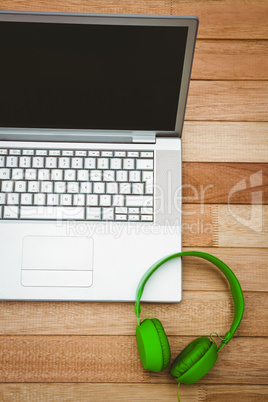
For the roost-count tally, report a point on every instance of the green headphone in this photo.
(201, 354)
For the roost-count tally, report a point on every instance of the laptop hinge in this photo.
(144, 138)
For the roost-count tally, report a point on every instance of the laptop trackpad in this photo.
(57, 261)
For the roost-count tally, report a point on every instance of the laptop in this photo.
(91, 117)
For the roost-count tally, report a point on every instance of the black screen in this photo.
(90, 76)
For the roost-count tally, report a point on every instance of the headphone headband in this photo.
(235, 287)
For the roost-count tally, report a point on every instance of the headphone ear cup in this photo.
(153, 345)
(194, 361)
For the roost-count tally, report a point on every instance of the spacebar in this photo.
(55, 213)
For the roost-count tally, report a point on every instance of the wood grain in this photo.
(199, 314)
(227, 100)
(116, 359)
(239, 19)
(222, 183)
(131, 392)
(239, 60)
(225, 142)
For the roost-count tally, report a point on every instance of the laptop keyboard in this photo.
(61, 184)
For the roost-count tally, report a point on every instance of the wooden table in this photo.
(87, 351)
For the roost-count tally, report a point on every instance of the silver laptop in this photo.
(91, 117)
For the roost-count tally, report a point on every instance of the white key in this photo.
(111, 188)
(121, 175)
(79, 199)
(147, 211)
(137, 188)
(144, 164)
(38, 162)
(41, 152)
(43, 174)
(52, 212)
(59, 187)
(25, 161)
(147, 218)
(54, 152)
(133, 210)
(116, 163)
(17, 174)
(7, 186)
(14, 152)
(3, 151)
(56, 174)
(2, 161)
(2, 198)
(108, 214)
(20, 186)
(125, 188)
(67, 153)
(121, 210)
(30, 174)
(64, 163)
(85, 187)
(13, 198)
(28, 152)
(69, 175)
(66, 199)
(120, 153)
(139, 201)
(51, 162)
(4, 174)
(133, 217)
(93, 213)
(39, 199)
(147, 177)
(128, 164)
(147, 154)
(26, 199)
(1, 212)
(92, 199)
(95, 175)
(108, 175)
(11, 212)
(73, 187)
(103, 163)
(52, 199)
(105, 200)
(93, 153)
(99, 188)
(135, 175)
(80, 153)
(12, 161)
(120, 217)
(118, 200)
(77, 163)
(107, 153)
(33, 187)
(83, 175)
(46, 187)
(90, 163)
(133, 154)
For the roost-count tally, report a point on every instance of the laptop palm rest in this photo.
(57, 261)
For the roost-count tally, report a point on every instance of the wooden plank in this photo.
(132, 392)
(225, 142)
(239, 19)
(91, 6)
(232, 19)
(227, 101)
(199, 314)
(238, 60)
(116, 359)
(217, 225)
(243, 225)
(224, 183)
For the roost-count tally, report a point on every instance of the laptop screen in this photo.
(78, 76)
